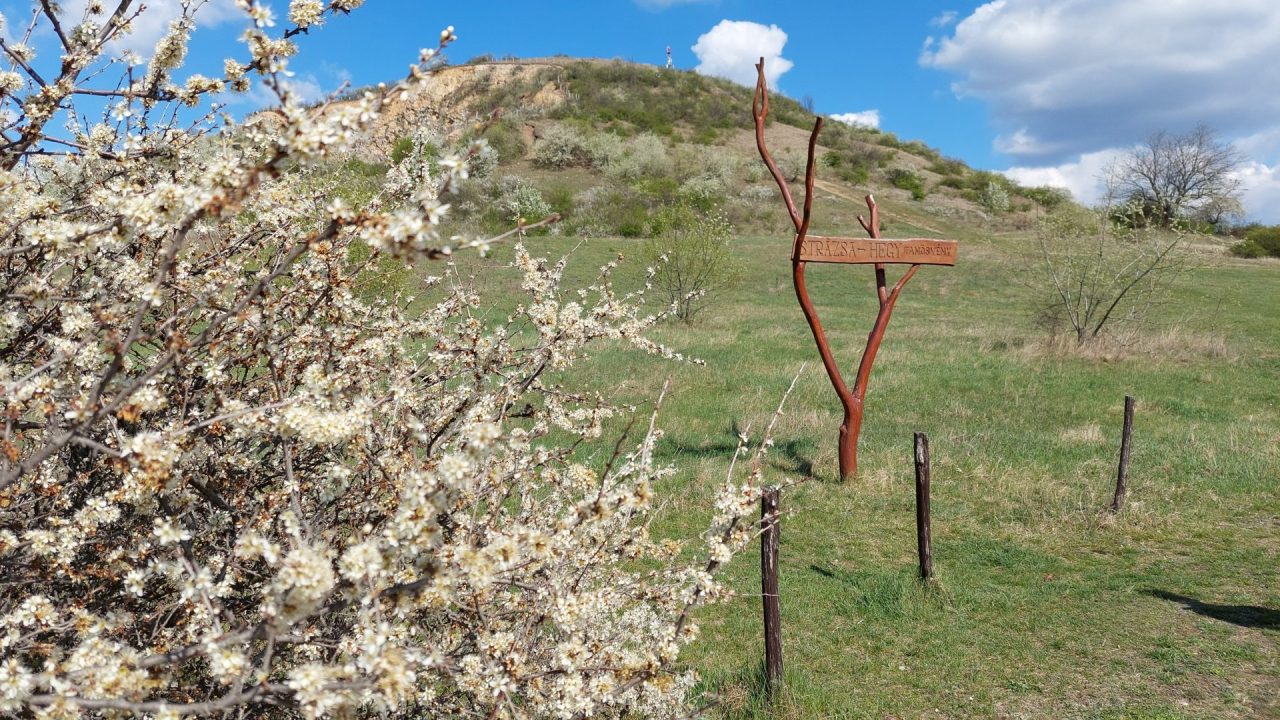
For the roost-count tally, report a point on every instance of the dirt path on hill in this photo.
(827, 186)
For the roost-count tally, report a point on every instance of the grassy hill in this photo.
(1046, 605)
(605, 143)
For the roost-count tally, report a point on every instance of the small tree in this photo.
(1095, 274)
(1179, 176)
(691, 258)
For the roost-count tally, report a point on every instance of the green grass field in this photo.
(1045, 605)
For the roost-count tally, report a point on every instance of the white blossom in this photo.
(228, 465)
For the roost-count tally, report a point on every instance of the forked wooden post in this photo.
(1122, 474)
(874, 251)
(924, 535)
(769, 517)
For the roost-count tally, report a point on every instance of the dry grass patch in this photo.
(1174, 344)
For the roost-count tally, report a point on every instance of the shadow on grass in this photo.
(1252, 616)
(887, 594)
(790, 456)
(796, 462)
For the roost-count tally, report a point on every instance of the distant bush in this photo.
(908, 180)
(855, 174)
(560, 147)
(691, 257)
(658, 190)
(994, 198)
(756, 194)
(646, 156)
(603, 210)
(920, 149)
(852, 165)
(705, 136)
(521, 202)
(948, 166)
(1259, 241)
(691, 162)
(703, 193)
(504, 137)
(560, 198)
(888, 140)
(1046, 196)
(1249, 249)
(604, 150)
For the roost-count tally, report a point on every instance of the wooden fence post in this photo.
(1122, 474)
(769, 517)
(924, 538)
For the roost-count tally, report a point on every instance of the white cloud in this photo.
(1260, 184)
(1084, 177)
(732, 48)
(1021, 142)
(865, 118)
(1079, 76)
(944, 19)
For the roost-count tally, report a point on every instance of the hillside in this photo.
(605, 143)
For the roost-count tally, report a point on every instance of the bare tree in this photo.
(1176, 176)
(1096, 274)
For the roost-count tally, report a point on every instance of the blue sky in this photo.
(1048, 91)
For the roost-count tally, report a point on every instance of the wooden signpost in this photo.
(875, 251)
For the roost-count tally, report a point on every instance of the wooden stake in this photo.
(769, 590)
(1122, 474)
(924, 539)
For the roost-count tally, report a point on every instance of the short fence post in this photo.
(1122, 474)
(769, 517)
(924, 539)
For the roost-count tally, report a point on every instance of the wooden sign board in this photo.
(860, 251)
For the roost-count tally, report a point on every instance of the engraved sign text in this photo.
(915, 251)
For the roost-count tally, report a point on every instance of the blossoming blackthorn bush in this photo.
(233, 480)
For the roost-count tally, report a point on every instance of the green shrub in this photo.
(520, 202)
(1046, 196)
(948, 167)
(705, 135)
(504, 137)
(994, 198)
(604, 210)
(908, 180)
(560, 198)
(559, 147)
(691, 257)
(646, 156)
(703, 193)
(1248, 249)
(1268, 238)
(920, 149)
(604, 150)
(855, 174)
(660, 190)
